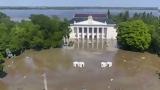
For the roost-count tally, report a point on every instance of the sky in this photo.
(106, 3)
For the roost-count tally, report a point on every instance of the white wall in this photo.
(72, 34)
(111, 33)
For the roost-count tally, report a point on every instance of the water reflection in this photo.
(95, 44)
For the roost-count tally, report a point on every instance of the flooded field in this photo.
(130, 70)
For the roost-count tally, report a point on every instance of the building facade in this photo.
(92, 26)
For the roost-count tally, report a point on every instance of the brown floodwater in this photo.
(130, 70)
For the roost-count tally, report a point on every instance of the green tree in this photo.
(5, 27)
(53, 29)
(1, 58)
(126, 15)
(2, 73)
(6, 20)
(47, 27)
(4, 38)
(109, 14)
(156, 40)
(25, 35)
(134, 35)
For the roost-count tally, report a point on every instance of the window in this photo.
(85, 36)
(80, 30)
(85, 30)
(100, 30)
(75, 29)
(105, 30)
(90, 30)
(90, 36)
(95, 36)
(95, 30)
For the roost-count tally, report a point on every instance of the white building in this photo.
(92, 26)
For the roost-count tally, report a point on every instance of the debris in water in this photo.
(143, 58)
(111, 79)
(9, 65)
(124, 60)
(158, 73)
(84, 89)
(24, 77)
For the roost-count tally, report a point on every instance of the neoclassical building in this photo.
(92, 26)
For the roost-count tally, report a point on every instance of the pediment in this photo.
(90, 21)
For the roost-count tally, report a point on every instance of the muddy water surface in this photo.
(130, 70)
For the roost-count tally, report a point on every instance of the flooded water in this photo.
(130, 70)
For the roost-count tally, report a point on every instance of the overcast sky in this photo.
(107, 3)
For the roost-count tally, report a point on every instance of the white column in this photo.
(82, 32)
(97, 32)
(102, 33)
(92, 33)
(97, 42)
(102, 43)
(87, 33)
(77, 32)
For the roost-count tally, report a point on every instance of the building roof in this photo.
(90, 21)
(96, 17)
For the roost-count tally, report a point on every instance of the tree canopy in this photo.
(134, 35)
(156, 40)
(40, 32)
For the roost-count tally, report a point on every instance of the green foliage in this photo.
(2, 73)
(147, 18)
(40, 33)
(134, 35)
(53, 29)
(109, 14)
(25, 35)
(5, 27)
(121, 17)
(1, 59)
(156, 40)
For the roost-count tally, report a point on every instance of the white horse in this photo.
(106, 64)
(78, 64)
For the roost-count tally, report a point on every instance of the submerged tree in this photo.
(53, 29)
(134, 35)
(25, 35)
(2, 72)
(156, 40)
